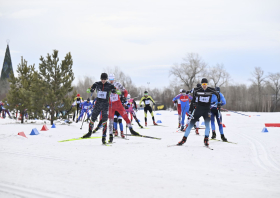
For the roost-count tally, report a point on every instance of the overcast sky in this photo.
(144, 38)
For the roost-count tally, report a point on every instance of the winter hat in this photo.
(181, 90)
(111, 76)
(204, 80)
(128, 96)
(104, 76)
(78, 95)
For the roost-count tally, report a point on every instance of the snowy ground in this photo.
(40, 166)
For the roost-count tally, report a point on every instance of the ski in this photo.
(144, 136)
(106, 144)
(159, 125)
(224, 141)
(173, 145)
(80, 138)
(209, 147)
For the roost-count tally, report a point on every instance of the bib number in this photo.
(114, 97)
(78, 102)
(102, 94)
(147, 102)
(204, 99)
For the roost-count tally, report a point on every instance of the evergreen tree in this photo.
(54, 82)
(18, 96)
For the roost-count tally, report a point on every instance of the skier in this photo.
(116, 99)
(130, 105)
(103, 89)
(4, 110)
(85, 106)
(216, 113)
(197, 124)
(78, 101)
(147, 107)
(184, 99)
(202, 101)
(178, 102)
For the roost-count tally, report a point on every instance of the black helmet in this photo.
(104, 76)
(88, 99)
(198, 85)
(204, 80)
(217, 89)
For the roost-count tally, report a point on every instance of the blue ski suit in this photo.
(85, 106)
(215, 112)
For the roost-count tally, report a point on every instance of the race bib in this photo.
(86, 107)
(204, 99)
(147, 102)
(102, 94)
(78, 102)
(114, 97)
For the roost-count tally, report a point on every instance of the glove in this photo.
(113, 90)
(141, 105)
(194, 105)
(188, 92)
(126, 107)
(88, 90)
(175, 101)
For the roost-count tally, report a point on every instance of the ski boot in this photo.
(145, 124)
(122, 135)
(116, 133)
(196, 131)
(111, 139)
(141, 126)
(183, 141)
(223, 138)
(133, 132)
(179, 126)
(186, 127)
(103, 140)
(206, 141)
(88, 134)
(213, 135)
(155, 123)
(77, 120)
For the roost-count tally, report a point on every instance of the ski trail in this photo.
(261, 156)
(267, 157)
(27, 192)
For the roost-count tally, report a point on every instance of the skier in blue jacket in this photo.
(85, 106)
(216, 113)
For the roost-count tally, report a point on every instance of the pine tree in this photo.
(18, 96)
(55, 82)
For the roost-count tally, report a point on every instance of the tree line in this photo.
(47, 89)
(52, 85)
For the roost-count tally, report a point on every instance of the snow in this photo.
(40, 166)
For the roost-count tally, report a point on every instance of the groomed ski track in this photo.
(40, 166)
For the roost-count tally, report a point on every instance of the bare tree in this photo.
(275, 85)
(189, 70)
(258, 80)
(82, 86)
(218, 75)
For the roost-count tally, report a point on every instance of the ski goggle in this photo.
(145, 94)
(111, 79)
(203, 83)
